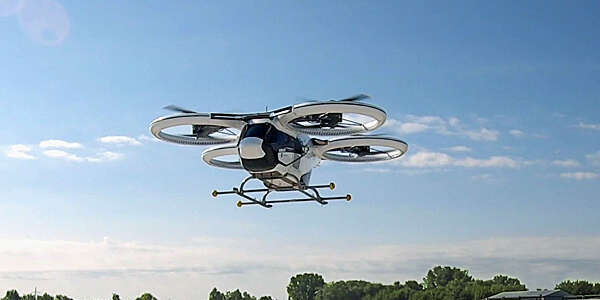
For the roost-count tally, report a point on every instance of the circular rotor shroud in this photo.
(157, 126)
(375, 113)
(397, 148)
(211, 157)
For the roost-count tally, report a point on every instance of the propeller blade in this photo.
(356, 98)
(178, 109)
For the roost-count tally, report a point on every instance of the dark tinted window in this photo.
(277, 137)
(274, 141)
(257, 130)
(280, 140)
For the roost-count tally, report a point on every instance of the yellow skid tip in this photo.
(239, 204)
(348, 197)
(331, 186)
(214, 193)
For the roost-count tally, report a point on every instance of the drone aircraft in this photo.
(280, 147)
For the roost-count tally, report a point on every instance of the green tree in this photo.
(441, 276)
(235, 295)
(501, 283)
(579, 287)
(61, 297)
(12, 295)
(413, 285)
(431, 294)
(216, 295)
(265, 298)
(45, 296)
(304, 286)
(479, 289)
(115, 297)
(246, 296)
(146, 296)
(349, 290)
(395, 292)
(445, 283)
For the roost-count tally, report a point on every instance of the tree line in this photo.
(440, 283)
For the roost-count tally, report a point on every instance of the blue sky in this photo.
(497, 100)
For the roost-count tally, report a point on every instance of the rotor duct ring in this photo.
(157, 126)
(211, 155)
(397, 149)
(373, 112)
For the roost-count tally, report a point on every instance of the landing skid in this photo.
(264, 202)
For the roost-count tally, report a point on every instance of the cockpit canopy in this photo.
(260, 144)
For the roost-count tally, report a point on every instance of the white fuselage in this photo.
(281, 159)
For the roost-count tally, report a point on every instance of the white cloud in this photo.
(196, 267)
(437, 159)
(412, 127)
(589, 126)
(406, 127)
(105, 156)
(59, 144)
(492, 162)
(454, 122)
(119, 140)
(481, 177)
(516, 133)
(143, 137)
(427, 159)
(377, 170)
(19, 152)
(594, 158)
(482, 134)
(579, 175)
(567, 163)
(457, 128)
(110, 155)
(460, 149)
(100, 157)
(450, 126)
(63, 155)
(426, 119)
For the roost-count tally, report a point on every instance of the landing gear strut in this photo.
(264, 202)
